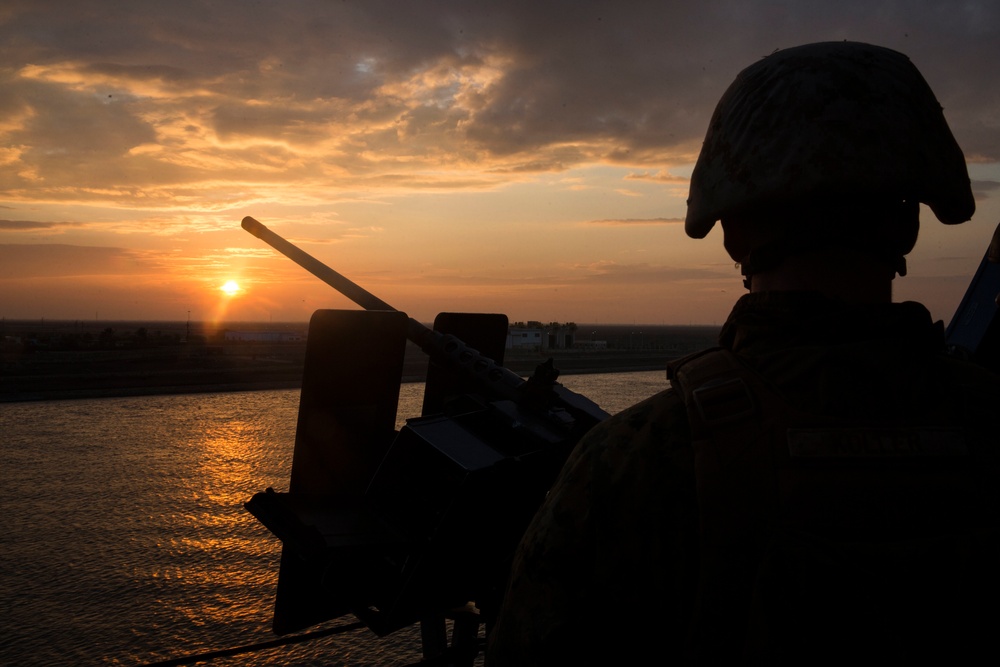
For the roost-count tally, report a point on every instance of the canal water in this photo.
(123, 538)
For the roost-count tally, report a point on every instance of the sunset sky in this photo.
(530, 158)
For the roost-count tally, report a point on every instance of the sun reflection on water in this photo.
(124, 537)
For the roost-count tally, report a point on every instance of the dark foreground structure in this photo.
(413, 526)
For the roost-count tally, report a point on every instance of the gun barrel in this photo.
(500, 381)
(351, 290)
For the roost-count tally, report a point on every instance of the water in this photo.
(123, 538)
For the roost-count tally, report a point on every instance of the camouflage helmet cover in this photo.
(835, 119)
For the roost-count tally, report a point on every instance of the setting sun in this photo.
(231, 287)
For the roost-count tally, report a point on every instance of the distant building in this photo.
(561, 336)
(535, 335)
(524, 338)
(265, 336)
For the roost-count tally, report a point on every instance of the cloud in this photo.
(982, 189)
(29, 225)
(606, 273)
(616, 273)
(659, 176)
(23, 261)
(153, 105)
(637, 221)
(249, 252)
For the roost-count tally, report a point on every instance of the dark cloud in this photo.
(28, 225)
(83, 130)
(507, 86)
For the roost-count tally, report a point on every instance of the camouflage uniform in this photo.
(607, 571)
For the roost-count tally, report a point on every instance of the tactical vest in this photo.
(825, 541)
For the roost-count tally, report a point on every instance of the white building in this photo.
(523, 337)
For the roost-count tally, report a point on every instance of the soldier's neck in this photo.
(844, 275)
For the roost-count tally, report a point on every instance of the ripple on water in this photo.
(124, 536)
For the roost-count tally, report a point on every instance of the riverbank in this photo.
(157, 366)
(180, 376)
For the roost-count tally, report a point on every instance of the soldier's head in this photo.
(829, 145)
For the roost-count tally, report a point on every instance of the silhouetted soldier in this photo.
(821, 486)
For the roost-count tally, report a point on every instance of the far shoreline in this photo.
(67, 362)
(68, 394)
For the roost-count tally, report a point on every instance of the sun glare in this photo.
(231, 287)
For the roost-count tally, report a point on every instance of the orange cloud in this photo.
(633, 221)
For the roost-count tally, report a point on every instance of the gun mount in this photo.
(402, 527)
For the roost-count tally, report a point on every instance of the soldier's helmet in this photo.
(835, 120)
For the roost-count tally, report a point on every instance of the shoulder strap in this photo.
(732, 419)
(734, 416)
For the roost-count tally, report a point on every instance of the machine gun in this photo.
(400, 527)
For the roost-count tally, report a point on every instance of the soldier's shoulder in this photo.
(971, 388)
(662, 414)
(652, 435)
(962, 371)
